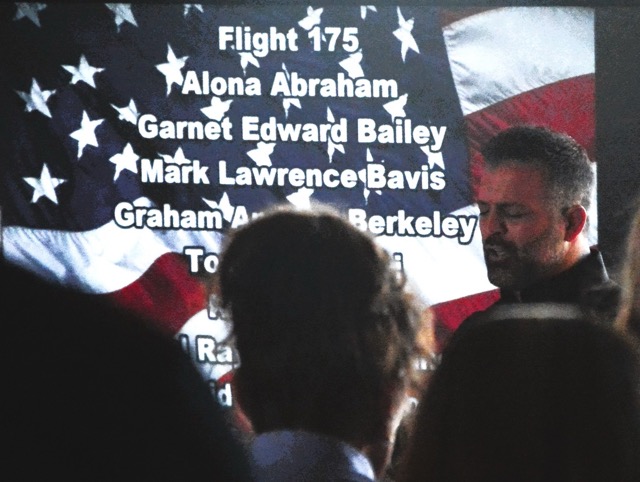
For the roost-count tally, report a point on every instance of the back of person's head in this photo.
(323, 325)
(91, 392)
(568, 171)
(628, 318)
(530, 394)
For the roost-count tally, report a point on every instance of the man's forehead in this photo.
(511, 172)
(503, 205)
(512, 183)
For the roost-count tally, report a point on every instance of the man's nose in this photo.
(491, 223)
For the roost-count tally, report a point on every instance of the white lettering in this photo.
(400, 224)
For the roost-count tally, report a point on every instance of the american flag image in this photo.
(135, 135)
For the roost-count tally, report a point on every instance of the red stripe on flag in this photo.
(447, 17)
(167, 294)
(449, 315)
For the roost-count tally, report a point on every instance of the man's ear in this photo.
(576, 218)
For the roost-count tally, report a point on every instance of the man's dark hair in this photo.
(568, 170)
(321, 321)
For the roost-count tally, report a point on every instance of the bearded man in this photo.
(534, 193)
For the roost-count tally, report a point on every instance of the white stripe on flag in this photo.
(441, 269)
(103, 260)
(500, 53)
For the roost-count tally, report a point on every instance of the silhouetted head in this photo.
(324, 327)
(628, 318)
(530, 393)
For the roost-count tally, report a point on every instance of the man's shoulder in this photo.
(601, 301)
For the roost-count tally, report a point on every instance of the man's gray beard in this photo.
(521, 275)
(505, 278)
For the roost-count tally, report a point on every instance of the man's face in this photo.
(522, 231)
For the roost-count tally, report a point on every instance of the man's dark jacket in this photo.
(586, 284)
